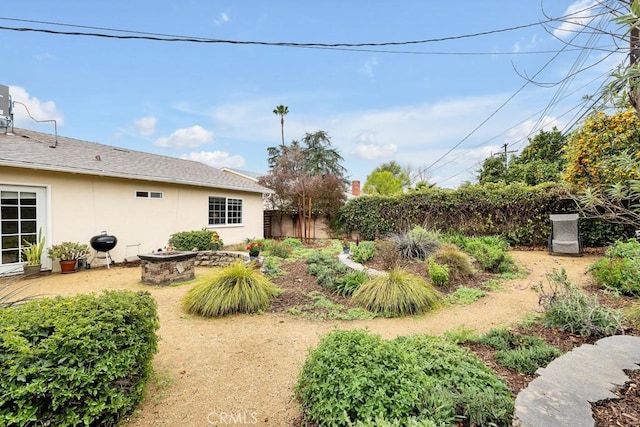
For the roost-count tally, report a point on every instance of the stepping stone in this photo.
(561, 395)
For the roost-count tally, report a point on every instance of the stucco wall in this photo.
(319, 227)
(81, 206)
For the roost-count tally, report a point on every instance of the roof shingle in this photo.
(30, 149)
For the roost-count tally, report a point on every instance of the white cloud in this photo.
(192, 137)
(222, 18)
(39, 110)
(368, 67)
(581, 13)
(368, 148)
(146, 125)
(518, 135)
(216, 159)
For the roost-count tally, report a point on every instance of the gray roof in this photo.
(245, 174)
(29, 149)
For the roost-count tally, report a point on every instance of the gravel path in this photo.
(242, 369)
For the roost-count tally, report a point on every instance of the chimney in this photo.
(355, 188)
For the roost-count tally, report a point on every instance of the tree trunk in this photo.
(309, 220)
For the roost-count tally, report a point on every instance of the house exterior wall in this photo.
(81, 206)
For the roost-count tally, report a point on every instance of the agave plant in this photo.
(397, 293)
(238, 288)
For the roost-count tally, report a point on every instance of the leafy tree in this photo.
(540, 161)
(493, 170)
(590, 148)
(604, 168)
(307, 179)
(387, 179)
(382, 183)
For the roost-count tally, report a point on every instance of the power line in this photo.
(141, 35)
(508, 100)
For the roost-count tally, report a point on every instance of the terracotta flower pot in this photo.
(68, 266)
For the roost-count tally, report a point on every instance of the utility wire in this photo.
(141, 35)
(505, 102)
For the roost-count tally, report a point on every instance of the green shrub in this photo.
(292, 242)
(277, 249)
(199, 240)
(238, 288)
(397, 293)
(417, 243)
(465, 295)
(80, 360)
(567, 308)
(325, 268)
(388, 254)
(632, 314)
(271, 267)
(357, 378)
(489, 251)
(620, 268)
(364, 252)
(350, 282)
(527, 360)
(459, 263)
(523, 353)
(439, 274)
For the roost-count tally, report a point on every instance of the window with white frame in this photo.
(225, 211)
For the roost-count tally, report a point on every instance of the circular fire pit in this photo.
(162, 268)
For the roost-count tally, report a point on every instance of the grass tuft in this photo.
(397, 293)
(238, 288)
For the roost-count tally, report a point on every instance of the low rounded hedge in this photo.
(358, 378)
(80, 360)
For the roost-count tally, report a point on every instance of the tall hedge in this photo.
(80, 360)
(518, 212)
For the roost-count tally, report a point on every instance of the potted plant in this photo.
(32, 252)
(346, 245)
(68, 253)
(254, 249)
(216, 241)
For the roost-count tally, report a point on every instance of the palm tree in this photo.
(281, 110)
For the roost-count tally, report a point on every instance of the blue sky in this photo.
(409, 103)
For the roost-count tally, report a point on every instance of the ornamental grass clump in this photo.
(417, 243)
(238, 288)
(397, 293)
(458, 262)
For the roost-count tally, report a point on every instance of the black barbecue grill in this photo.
(103, 243)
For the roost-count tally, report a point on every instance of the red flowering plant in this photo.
(254, 248)
(345, 243)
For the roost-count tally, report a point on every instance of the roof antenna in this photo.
(55, 124)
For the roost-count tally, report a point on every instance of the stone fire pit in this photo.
(163, 268)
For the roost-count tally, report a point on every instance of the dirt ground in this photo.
(242, 369)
